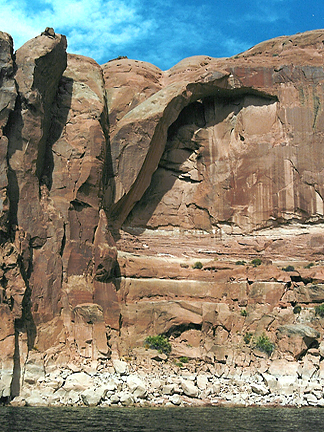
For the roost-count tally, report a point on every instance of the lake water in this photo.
(220, 419)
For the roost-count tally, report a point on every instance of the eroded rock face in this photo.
(133, 202)
(241, 151)
(85, 254)
(40, 64)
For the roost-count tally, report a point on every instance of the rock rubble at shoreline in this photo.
(153, 383)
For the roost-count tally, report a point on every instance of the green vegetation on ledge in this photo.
(289, 268)
(159, 342)
(264, 344)
(248, 337)
(319, 310)
(297, 309)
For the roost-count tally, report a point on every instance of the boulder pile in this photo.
(153, 383)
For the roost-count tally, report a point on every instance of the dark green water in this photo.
(220, 419)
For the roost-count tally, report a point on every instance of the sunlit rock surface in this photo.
(136, 202)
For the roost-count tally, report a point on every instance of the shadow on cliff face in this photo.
(13, 131)
(176, 330)
(187, 154)
(108, 179)
(60, 111)
(16, 376)
(178, 149)
(26, 325)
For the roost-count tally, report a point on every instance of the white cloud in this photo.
(93, 27)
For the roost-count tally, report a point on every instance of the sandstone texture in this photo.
(186, 203)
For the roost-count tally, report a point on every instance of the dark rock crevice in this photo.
(59, 115)
(176, 330)
(23, 325)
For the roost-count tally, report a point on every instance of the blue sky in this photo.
(160, 32)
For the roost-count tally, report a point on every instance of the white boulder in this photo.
(79, 381)
(189, 388)
(120, 367)
(136, 386)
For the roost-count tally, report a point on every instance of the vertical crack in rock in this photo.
(16, 374)
(63, 243)
(59, 117)
(108, 189)
(26, 325)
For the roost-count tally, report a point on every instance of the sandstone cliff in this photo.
(215, 160)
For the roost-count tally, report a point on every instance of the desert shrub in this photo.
(256, 262)
(184, 359)
(264, 344)
(198, 265)
(159, 342)
(289, 268)
(240, 263)
(319, 310)
(297, 310)
(244, 313)
(309, 265)
(247, 337)
(179, 364)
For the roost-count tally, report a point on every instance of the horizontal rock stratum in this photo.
(137, 202)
